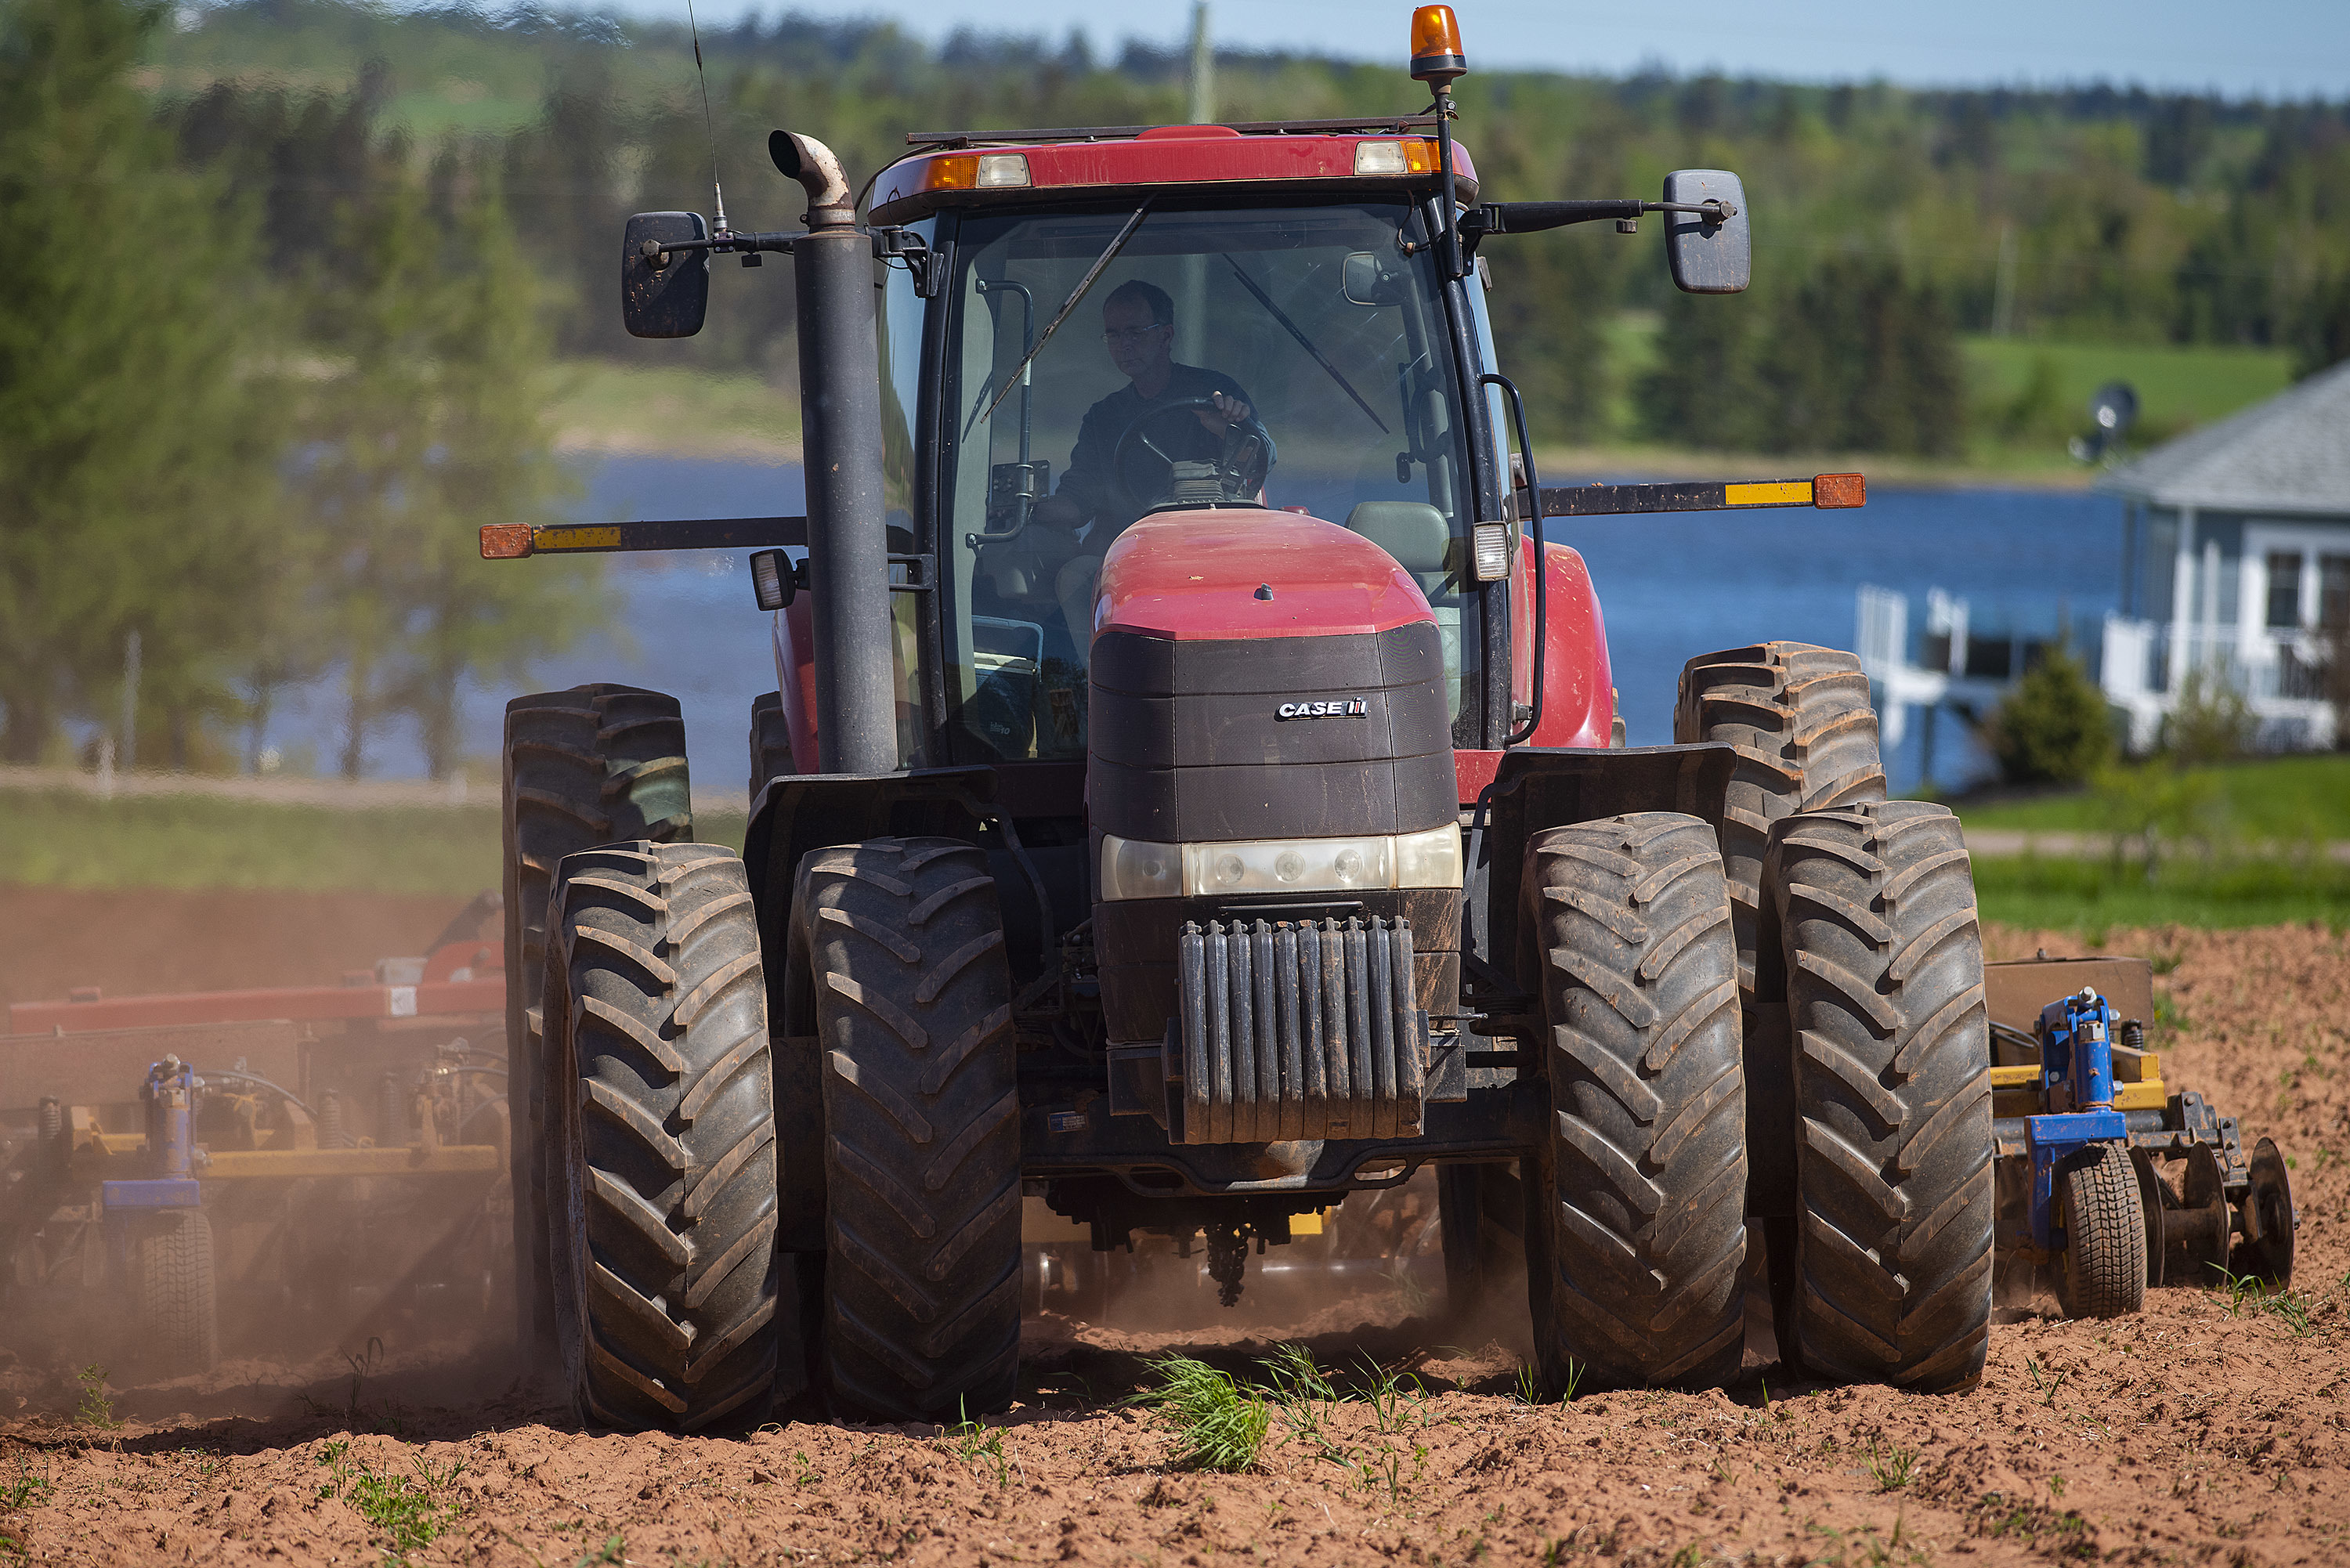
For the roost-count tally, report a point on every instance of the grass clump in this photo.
(96, 1408)
(406, 1510)
(1891, 1467)
(1221, 1424)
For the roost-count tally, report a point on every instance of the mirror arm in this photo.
(724, 242)
(1532, 217)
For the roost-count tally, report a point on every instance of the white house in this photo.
(2235, 556)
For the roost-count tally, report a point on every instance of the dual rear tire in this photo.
(651, 1193)
(1858, 918)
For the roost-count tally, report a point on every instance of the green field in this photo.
(2177, 387)
(2282, 800)
(70, 840)
(2092, 896)
(677, 410)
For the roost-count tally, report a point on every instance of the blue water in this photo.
(1669, 587)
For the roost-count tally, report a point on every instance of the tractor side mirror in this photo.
(1710, 253)
(1365, 282)
(664, 293)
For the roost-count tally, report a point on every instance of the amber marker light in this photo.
(1436, 57)
(505, 541)
(1839, 490)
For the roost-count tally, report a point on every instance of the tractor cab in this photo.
(1052, 379)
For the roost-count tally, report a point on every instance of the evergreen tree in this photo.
(1702, 390)
(435, 423)
(137, 480)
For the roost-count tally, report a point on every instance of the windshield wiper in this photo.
(1305, 342)
(1092, 273)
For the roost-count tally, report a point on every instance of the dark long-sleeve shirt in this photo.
(1091, 481)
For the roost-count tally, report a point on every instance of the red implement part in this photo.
(449, 985)
(1202, 576)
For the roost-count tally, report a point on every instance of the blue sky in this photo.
(2273, 48)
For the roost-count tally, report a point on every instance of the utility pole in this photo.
(1204, 67)
(130, 701)
(2002, 297)
(1191, 291)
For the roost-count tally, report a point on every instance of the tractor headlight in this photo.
(1134, 868)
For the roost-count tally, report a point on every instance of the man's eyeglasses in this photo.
(1118, 335)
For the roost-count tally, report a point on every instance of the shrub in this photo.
(2210, 723)
(2053, 728)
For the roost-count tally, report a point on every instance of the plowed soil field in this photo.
(2195, 1432)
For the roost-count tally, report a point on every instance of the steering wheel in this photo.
(1236, 473)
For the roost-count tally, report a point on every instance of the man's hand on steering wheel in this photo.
(1226, 412)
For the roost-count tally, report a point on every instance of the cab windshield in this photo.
(1290, 356)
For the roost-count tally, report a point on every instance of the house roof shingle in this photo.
(2291, 453)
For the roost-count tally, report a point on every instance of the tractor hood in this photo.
(1231, 573)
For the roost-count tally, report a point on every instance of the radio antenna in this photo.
(708, 130)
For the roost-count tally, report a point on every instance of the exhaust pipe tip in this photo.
(817, 170)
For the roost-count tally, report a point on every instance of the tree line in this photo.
(1887, 220)
(271, 352)
(248, 447)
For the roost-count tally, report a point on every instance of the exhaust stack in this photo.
(840, 432)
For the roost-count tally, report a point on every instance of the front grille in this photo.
(1298, 1029)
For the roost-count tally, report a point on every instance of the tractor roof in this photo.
(994, 167)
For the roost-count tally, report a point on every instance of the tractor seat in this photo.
(1414, 533)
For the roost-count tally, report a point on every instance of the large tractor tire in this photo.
(178, 1291)
(1806, 740)
(1890, 1274)
(596, 764)
(660, 1139)
(904, 949)
(1635, 1227)
(2103, 1272)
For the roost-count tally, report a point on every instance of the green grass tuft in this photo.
(407, 1511)
(1221, 1424)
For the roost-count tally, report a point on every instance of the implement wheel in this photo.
(1892, 1254)
(596, 764)
(661, 1139)
(1636, 1216)
(2267, 1220)
(2103, 1272)
(904, 948)
(178, 1310)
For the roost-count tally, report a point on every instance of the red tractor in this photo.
(1194, 793)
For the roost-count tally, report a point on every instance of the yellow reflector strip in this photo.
(1785, 493)
(576, 538)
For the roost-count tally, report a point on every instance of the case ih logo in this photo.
(1339, 708)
